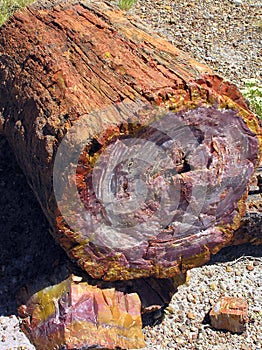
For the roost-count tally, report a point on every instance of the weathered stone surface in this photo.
(166, 149)
(74, 314)
(230, 314)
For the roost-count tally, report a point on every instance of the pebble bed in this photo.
(186, 325)
(227, 36)
(224, 34)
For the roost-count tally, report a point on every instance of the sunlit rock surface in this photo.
(229, 314)
(73, 315)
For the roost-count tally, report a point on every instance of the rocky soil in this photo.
(227, 36)
(186, 324)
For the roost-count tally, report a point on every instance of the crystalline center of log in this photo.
(131, 181)
(159, 185)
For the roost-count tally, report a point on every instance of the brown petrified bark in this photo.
(163, 151)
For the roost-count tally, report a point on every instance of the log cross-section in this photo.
(140, 157)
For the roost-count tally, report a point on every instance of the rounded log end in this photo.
(155, 192)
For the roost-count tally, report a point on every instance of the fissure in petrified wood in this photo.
(165, 150)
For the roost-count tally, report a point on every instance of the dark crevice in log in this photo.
(95, 147)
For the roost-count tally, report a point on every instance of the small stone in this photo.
(245, 347)
(188, 276)
(164, 344)
(170, 309)
(222, 285)
(193, 337)
(238, 2)
(182, 328)
(250, 267)
(179, 340)
(200, 335)
(190, 4)
(76, 278)
(202, 289)
(229, 268)
(229, 314)
(211, 302)
(190, 297)
(170, 344)
(213, 286)
(209, 274)
(172, 21)
(191, 315)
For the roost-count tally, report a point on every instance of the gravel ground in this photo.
(224, 34)
(227, 36)
(185, 325)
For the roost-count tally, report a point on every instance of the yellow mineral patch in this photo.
(47, 299)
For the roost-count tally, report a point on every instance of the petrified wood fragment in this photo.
(230, 314)
(153, 173)
(75, 315)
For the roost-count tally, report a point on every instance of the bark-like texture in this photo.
(162, 149)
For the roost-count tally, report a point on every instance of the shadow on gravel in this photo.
(235, 252)
(29, 257)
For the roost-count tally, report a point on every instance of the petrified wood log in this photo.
(153, 173)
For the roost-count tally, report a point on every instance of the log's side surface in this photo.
(88, 68)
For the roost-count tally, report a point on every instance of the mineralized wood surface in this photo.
(75, 315)
(153, 173)
(230, 314)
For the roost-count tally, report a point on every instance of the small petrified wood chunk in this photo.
(140, 157)
(76, 315)
(230, 314)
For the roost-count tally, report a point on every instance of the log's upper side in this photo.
(164, 150)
